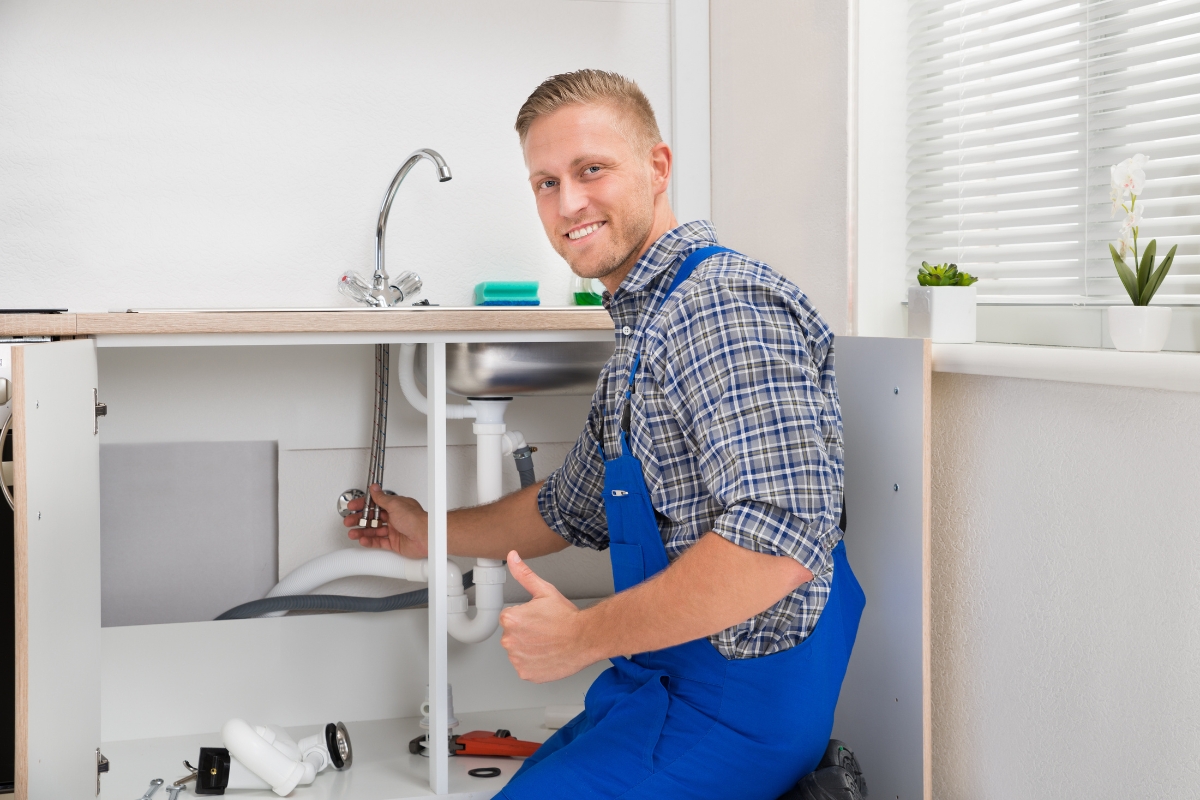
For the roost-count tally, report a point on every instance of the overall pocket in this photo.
(627, 565)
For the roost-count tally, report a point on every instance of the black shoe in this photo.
(838, 755)
(837, 777)
(827, 783)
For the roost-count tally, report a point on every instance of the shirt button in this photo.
(626, 330)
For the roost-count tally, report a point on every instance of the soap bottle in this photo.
(586, 291)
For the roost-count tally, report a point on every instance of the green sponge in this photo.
(507, 293)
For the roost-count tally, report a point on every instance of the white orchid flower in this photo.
(1132, 220)
(1128, 177)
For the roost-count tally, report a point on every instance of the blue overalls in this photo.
(686, 722)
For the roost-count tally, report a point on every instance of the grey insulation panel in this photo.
(187, 529)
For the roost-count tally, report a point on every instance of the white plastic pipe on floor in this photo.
(263, 757)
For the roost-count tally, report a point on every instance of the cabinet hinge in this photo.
(101, 411)
(101, 768)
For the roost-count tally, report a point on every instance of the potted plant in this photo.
(1139, 327)
(942, 306)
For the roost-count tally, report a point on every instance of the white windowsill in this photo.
(1174, 371)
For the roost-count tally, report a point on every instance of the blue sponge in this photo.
(507, 293)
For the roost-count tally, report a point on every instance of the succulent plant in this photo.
(943, 275)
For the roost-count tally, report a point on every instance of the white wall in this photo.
(882, 196)
(196, 153)
(226, 153)
(1066, 590)
(780, 141)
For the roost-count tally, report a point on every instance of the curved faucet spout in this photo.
(382, 293)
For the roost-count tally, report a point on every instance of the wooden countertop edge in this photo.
(37, 324)
(431, 319)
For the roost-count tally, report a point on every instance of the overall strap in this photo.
(684, 272)
(689, 266)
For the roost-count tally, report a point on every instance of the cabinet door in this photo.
(56, 456)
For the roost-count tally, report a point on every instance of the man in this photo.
(710, 465)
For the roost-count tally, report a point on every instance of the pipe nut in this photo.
(484, 576)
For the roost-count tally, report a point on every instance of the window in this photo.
(1016, 112)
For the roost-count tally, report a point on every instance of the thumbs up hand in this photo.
(543, 637)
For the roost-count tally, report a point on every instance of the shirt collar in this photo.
(669, 249)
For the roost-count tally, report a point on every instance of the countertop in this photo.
(408, 319)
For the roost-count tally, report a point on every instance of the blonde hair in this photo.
(591, 86)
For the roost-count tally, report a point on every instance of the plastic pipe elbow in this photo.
(412, 392)
(513, 441)
(472, 630)
(262, 758)
(489, 601)
(454, 580)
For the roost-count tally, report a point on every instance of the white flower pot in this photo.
(942, 313)
(1139, 329)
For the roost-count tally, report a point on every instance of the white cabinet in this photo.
(162, 691)
(166, 688)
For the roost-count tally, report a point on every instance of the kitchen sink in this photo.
(520, 369)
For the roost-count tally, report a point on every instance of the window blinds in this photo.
(1016, 112)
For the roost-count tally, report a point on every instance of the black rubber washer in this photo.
(331, 745)
(484, 772)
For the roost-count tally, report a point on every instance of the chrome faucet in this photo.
(382, 291)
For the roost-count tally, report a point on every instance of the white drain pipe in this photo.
(494, 442)
(489, 573)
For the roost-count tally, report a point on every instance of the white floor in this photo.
(382, 768)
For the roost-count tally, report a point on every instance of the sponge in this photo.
(507, 293)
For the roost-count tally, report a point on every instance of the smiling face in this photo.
(601, 197)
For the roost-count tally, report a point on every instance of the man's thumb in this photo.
(528, 578)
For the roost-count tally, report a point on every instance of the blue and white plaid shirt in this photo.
(735, 419)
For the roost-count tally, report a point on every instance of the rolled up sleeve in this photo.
(759, 404)
(571, 501)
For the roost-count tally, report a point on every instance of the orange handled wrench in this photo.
(487, 743)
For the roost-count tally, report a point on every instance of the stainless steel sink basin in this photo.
(516, 369)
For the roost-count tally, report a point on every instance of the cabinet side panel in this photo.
(882, 713)
(20, 579)
(59, 523)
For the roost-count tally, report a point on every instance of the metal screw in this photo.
(895, 487)
(896, 390)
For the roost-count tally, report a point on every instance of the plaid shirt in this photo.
(735, 420)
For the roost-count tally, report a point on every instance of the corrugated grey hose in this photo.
(341, 602)
(524, 459)
(335, 602)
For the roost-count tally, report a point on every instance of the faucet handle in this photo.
(353, 286)
(406, 286)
